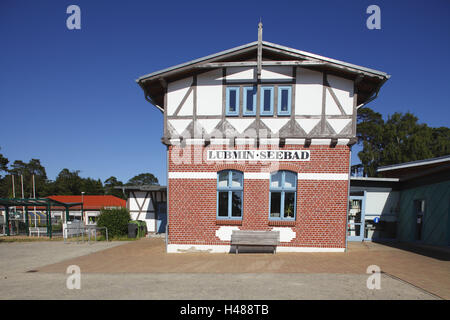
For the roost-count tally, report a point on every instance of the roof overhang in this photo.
(367, 81)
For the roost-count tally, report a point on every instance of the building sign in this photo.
(258, 155)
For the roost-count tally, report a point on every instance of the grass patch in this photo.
(8, 239)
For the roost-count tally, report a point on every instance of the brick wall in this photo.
(321, 204)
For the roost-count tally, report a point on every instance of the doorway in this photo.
(355, 222)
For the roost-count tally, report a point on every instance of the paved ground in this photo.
(153, 274)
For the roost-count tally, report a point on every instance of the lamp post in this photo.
(82, 214)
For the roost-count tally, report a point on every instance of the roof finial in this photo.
(260, 28)
(259, 53)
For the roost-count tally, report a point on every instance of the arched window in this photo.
(230, 186)
(283, 195)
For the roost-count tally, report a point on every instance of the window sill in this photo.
(228, 222)
(287, 223)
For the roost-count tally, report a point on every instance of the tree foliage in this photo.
(110, 185)
(67, 182)
(398, 139)
(143, 179)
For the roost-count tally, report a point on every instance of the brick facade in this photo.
(321, 207)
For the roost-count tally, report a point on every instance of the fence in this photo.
(76, 230)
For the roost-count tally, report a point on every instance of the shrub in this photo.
(116, 220)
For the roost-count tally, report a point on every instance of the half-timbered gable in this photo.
(294, 95)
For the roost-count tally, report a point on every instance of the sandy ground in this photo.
(142, 270)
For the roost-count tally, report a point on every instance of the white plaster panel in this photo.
(188, 107)
(331, 108)
(240, 124)
(175, 93)
(224, 232)
(343, 89)
(307, 124)
(286, 234)
(133, 202)
(338, 124)
(209, 93)
(274, 124)
(241, 73)
(208, 124)
(276, 73)
(179, 124)
(308, 92)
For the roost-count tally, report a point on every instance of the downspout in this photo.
(167, 199)
(348, 198)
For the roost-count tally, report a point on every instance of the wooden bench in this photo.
(255, 238)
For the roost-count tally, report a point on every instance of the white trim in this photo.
(218, 141)
(374, 179)
(257, 175)
(245, 141)
(192, 175)
(269, 141)
(308, 249)
(321, 141)
(175, 141)
(195, 141)
(322, 176)
(295, 141)
(342, 142)
(186, 248)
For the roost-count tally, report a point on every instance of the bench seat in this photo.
(255, 238)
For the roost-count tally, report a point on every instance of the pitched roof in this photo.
(414, 168)
(91, 202)
(368, 84)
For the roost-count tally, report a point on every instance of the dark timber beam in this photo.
(255, 64)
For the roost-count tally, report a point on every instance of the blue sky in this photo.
(69, 97)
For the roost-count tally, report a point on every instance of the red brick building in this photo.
(258, 138)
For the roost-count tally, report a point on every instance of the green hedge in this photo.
(116, 220)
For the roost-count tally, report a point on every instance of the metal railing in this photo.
(82, 232)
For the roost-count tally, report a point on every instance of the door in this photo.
(419, 208)
(161, 212)
(355, 223)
